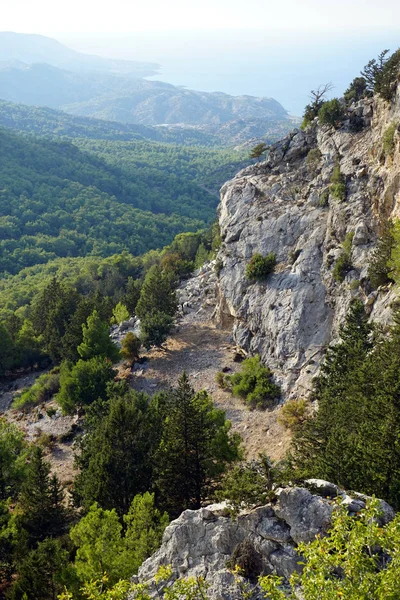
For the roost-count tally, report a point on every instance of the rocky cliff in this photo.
(284, 205)
(200, 542)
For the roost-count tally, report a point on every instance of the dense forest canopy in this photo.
(57, 200)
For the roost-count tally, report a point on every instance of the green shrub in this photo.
(83, 383)
(331, 113)
(254, 384)
(379, 266)
(388, 141)
(259, 266)
(324, 198)
(220, 380)
(357, 560)
(248, 484)
(294, 414)
(41, 391)
(130, 347)
(338, 183)
(356, 90)
(343, 263)
(219, 265)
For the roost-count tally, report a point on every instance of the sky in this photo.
(123, 16)
(280, 49)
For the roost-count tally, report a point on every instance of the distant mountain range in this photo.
(39, 71)
(31, 48)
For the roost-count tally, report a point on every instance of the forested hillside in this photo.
(58, 200)
(42, 120)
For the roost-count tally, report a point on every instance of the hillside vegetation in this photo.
(57, 200)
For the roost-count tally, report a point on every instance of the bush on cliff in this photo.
(254, 384)
(259, 266)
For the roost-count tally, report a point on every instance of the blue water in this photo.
(282, 65)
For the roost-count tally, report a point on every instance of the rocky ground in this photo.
(201, 349)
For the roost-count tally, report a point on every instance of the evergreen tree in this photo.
(116, 459)
(96, 340)
(156, 306)
(145, 526)
(380, 263)
(327, 446)
(50, 315)
(83, 383)
(195, 448)
(99, 544)
(13, 455)
(41, 501)
(130, 347)
(42, 574)
(157, 294)
(7, 350)
(258, 150)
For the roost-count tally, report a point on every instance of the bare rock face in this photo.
(285, 206)
(200, 542)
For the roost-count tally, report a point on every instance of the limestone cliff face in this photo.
(275, 206)
(200, 542)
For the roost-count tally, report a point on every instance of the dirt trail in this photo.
(201, 350)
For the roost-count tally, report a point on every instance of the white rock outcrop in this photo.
(277, 206)
(200, 542)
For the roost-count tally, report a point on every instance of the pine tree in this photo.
(116, 459)
(41, 501)
(96, 340)
(157, 294)
(258, 151)
(379, 266)
(327, 446)
(156, 306)
(42, 573)
(195, 448)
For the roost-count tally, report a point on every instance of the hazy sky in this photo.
(92, 16)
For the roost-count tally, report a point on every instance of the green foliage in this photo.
(343, 263)
(96, 340)
(317, 100)
(248, 484)
(294, 413)
(382, 74)
(61, 201)
(42, 390)
(351, 440)
(6, 350)
(116, 458)
(145, 526)
(13, 454)
(83, 383)
(259, 266)
(130, 347)
(357, 90)
(338, 183)
(154, 329)
(388, 140)
(42, 501)
(379, 264)
(331, 113)
(120, 313)
(194, 450)
(357, 560)
(42, 574)
(97, 537)
(323, 201)
(156, 306)
(258, 150)
(254, 384)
